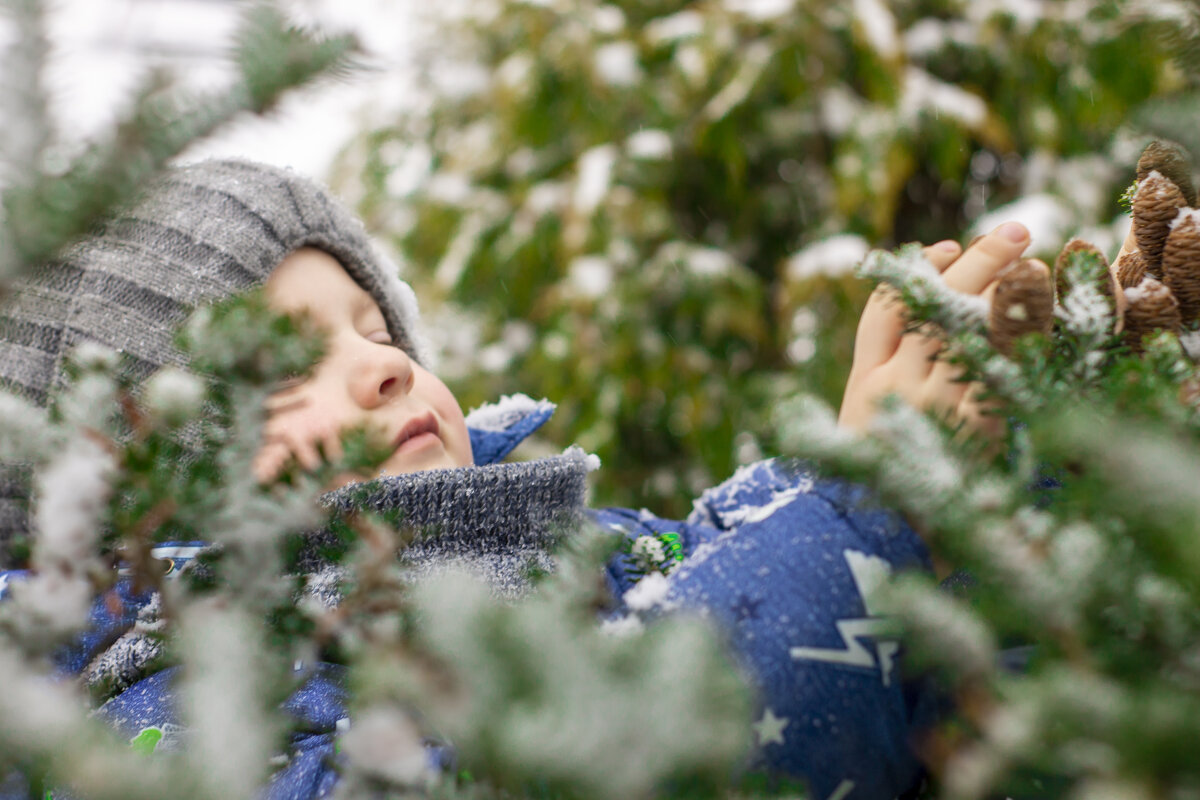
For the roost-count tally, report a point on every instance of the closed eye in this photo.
(381, 337)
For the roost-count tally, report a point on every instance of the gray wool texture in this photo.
(200, 234)
(497, 522)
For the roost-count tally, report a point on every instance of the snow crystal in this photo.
(617, 63)
(23, 428)
(1185, 214)
(833, 256)
(450, 188)
(514, 71)
(682, 25)
(622, 627)
(761, 10)
(174, 394)
(590, 276)
(546, 197)
(95, 357)
(801, 350)
(409, 170)
(651, 143)
(595, 177)
(923, 92)
(504, 412)
(692, 63)
(1190, 340)
(1047, 217)
(839, 108)
(72, 492)
(878, 26)
(608, 20)
(708, 261)
(1025, 12)
(925, 37)
(754, 59)
(648, 592)
(384, 743)
(1135, 294)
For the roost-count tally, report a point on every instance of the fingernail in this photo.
(947, 246)
(1013, 231)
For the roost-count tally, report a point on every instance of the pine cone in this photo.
(1131, 268)
(1173, 162)
(1024, 303)
(1181, 263)
(1152, 307)
(1155, 205)
(1105, 282)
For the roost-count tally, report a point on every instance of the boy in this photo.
(779, 557)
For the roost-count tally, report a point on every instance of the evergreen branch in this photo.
(923, 290)
(1148, 475)
(46, 722)
(48, 212)
(23, 105)
(274, 56)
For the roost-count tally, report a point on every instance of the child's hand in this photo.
(889, 361)
(294, 430)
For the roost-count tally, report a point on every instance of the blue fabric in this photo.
(490, 447)
(779, 558)
(782, 566)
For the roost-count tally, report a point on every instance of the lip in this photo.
(417, 432)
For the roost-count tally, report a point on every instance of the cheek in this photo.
(444, 403)
(309, 415)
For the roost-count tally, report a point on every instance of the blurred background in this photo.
(649, 211)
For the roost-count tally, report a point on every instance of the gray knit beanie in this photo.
(201, 233)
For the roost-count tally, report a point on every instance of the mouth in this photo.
(416, 433)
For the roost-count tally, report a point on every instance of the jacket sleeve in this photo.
(784, 561)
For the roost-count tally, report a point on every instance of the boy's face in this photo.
(363, 380)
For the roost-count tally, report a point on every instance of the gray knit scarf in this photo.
(497, 521)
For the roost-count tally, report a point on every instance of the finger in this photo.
(882, 323)
(306, 453)
(977, 267)
(916, 356)
(1128, 246)
(268, 462)
(332, 443)
(943, 388)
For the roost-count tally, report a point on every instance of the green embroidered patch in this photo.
(146, 740)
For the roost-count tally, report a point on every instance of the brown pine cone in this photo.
(1181, 264)
(1024, 303)
(1155, 205)
(1173, 162)
(1105, 281)
(1131, 268)
(1151, 307)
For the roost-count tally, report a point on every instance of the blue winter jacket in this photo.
(780, 558)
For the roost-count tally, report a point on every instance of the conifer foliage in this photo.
(118, 468)
(1072, 649)
(648, 211)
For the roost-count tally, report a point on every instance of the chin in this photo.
(418, 463)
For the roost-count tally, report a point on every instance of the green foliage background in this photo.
(609, 203)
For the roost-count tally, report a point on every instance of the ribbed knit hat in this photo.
(201, 233)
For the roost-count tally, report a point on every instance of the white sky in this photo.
(101, 47)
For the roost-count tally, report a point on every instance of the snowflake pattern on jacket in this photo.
(782, 560)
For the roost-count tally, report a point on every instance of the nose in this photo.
(382, 372)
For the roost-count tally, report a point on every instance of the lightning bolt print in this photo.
(868, 572)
